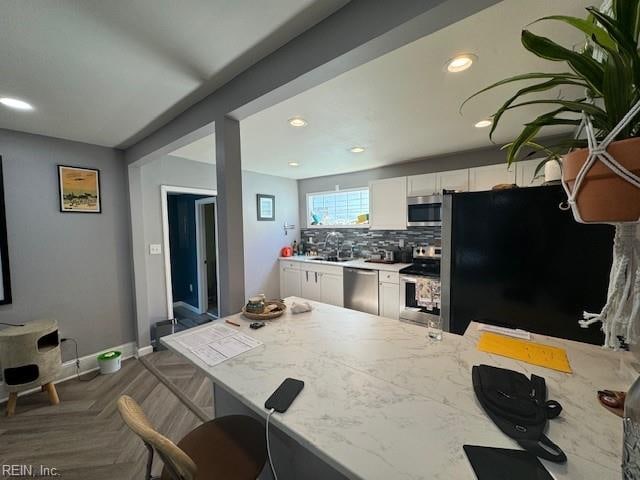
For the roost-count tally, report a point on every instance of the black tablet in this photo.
(504, 464)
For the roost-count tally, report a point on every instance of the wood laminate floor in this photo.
(85, 438)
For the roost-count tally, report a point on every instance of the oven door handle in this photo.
(408, 280)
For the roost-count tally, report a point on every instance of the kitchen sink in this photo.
(330, 259)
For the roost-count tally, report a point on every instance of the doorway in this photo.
(207, 253)
(184, 241)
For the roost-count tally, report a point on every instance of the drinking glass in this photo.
(434, 329)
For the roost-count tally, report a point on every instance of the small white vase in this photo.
(552, 172)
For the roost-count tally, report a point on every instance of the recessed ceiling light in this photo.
(483, 123)
(460, 62)
(294, 164)
(297, 122)
(356, 149)
(15, 103)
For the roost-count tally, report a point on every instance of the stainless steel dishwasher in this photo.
(361, 289)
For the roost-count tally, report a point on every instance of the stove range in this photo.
(426, 262)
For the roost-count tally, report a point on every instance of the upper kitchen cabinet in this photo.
(422, 185)
(525, 173)
(485, 178)
(457, 180)
(388, 204)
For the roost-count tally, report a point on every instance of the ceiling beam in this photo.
(359, 32)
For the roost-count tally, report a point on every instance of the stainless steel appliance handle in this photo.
(316, 276)
(425, 200)
(307, 272)
(361, 272)
(408, 280)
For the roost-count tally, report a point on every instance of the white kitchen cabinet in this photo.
(331, 289)
(422, 185)
(389, 300)
(310, 285)
(388, 204)
(485, 178)
(457, 180)
(289, 282)
(525, 173)
(318, 282)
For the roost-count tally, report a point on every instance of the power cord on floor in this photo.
(75, 342)
(273, 470)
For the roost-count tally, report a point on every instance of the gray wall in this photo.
(263, 240)
(466, 159)
(172, 171)
(73, 267)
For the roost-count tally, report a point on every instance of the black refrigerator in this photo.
(514, 258)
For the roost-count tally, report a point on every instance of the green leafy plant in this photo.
(607, 68)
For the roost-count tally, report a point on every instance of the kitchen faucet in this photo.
(338, 236)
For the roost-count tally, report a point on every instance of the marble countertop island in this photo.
(381, 401)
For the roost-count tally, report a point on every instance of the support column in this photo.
(230, 226)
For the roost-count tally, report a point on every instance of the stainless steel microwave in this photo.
(424, 211)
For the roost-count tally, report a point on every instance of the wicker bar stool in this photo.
(229, 448)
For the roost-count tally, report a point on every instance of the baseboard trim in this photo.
(141, 352)
(186, 305)
(88, 363)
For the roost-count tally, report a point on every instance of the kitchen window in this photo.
(344, 208)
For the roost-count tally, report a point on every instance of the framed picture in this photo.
(79, 189)
(266, 207)
(5, 277)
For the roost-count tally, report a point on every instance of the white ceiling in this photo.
(404, 105)
(106, 72)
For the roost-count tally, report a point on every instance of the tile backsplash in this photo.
(366, 242)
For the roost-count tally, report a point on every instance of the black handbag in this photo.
(519, 407)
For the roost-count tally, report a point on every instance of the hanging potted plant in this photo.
(606, 114)
(601, 163)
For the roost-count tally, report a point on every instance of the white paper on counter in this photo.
(205, 336)
(510, 332)
(218, 343)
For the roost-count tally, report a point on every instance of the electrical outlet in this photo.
(155, 249)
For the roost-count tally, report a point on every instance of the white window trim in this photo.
(334, 227)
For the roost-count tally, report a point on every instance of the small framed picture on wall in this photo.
(79, 189)
(266, 207)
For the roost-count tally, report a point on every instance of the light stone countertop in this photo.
(356, 263)
(383, 402)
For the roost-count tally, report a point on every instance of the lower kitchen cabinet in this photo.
(310, 286)
(289, 282)
(322, 283)
(331, 289)
(389, 300)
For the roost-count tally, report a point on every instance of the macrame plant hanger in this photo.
(620, 315)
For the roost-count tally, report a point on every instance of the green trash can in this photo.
(109, 362)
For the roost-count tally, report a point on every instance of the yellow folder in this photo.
(526, 351)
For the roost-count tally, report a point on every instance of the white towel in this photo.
(428, 293)
(301, 307)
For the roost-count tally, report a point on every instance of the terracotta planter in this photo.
(605, 197)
